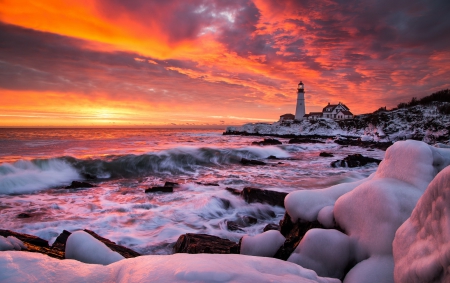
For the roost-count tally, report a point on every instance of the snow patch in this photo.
(265, 244)
(83, 247)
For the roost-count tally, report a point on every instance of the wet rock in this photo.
(304, 140)
(366, 144)
(159, 189)
(241, 222)
(272, 157)
(267, 142)
(326, 154)
(78, 185)
(88, 176)
(208, 184)
(203, 243)
(233, 226)
(246, 161)
(354, 160)
(271, 226)
(60, 242)
(34, 244)
(23, 215)
(293, 232)
(234, 191)
(224, 202)
(171, 184)
(263, 196)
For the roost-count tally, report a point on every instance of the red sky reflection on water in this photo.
(161, 63)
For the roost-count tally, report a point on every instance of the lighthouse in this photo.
(300, 110)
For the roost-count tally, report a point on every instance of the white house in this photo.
(332, 111)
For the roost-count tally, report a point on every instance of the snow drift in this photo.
(422, 244)
(31, 267)
(369, 211)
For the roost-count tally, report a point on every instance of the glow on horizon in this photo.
(88, 63)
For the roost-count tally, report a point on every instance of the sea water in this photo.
(37, 164)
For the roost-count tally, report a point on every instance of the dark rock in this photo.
(24, 215)
(359, 142)
(263, 196)
(272, 157)
(224, 202)
(293, 232)
(233, 226)
(171, 184)
(267, 142)
(354, 160)
(78, 185)
(371, 149)
(326, 154)
(159, 189)
(88, 176)
(304, 140)
(208, 184)
(271, 226)
(233, 191)
(246, 161)
(60, 242)
(34, 244)
(203, 243)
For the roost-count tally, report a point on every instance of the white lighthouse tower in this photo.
(300, 110)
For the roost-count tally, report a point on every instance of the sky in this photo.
(213, 63)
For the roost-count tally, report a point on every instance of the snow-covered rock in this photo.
(32, 267)
(11, 243)
(85, 248)
(369, 211)
(265, 244)
(419, 122)
(422, 244)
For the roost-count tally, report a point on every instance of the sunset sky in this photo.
(184, 63)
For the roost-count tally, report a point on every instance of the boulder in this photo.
(326, 154)
(159, 189)
(171, 184)
(367, 144)
(246, 161)
(241, 222)
(60, 244)
(272, 157)
(263, 196)
(24, 215)
(78, 185)
(267, 142)
(203, 243)
(354, 160)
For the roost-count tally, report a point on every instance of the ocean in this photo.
(37, 164)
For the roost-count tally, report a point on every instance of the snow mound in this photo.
(11, 243)
(422, 244)
(32, 267)
(265, 244)
(369, 211)
(85, 248)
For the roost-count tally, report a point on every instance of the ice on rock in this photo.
(375, 269)
(371, 210)
(33, 267)
(327, 252)
(265, 244)
(422, 244)
(83, 247)
(11, 243)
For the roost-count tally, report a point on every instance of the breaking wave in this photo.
(26, 176)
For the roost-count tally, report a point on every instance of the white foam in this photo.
(25, 176)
